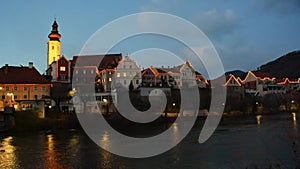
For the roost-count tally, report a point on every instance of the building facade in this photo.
(22, 87)
(128, 72)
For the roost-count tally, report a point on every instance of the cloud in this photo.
(282, 6)
(216, 24)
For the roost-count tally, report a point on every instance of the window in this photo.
(3, 97)
(76, 71)
(25, 97)
(35, 88)
(118, 75)
(137, 82)
(44, 88)
(124, 66)
(62, 68)
(15, 88)
(25, 88)
(7, 88)
(15, 97)
(62, 77)
(124, 82)
(109, 79)
(35, 96)
(130, 66)
(52, 47)
(62, 61)
(92, 71)
(84, 71)
(124, 74)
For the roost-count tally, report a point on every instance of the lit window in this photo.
(109, 79)
(35, 88)
(118, 75)
(124, 74)
(62, 68)
(52, 47)
(15, 88)
(25, 88)
(84, 71)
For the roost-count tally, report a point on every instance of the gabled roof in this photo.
(21, 75)
(151, 69)
(288, 81)
(262, 75)
(232, 77)
(106, 61)
(259, 75)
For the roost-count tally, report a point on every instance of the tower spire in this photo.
(54, 35)
(54, 44)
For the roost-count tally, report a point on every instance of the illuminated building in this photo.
(22, 87)
(54, 44)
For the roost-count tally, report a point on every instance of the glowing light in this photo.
(7, 155)
(294, 116)
(258, 118)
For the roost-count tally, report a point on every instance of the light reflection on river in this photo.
(260, 141)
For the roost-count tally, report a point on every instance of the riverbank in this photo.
(29, 120)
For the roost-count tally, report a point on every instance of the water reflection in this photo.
(294, 120)
(52, 160)
(8, 158)
(258, 119)
(106, 156)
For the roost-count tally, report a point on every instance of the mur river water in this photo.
(266, 141)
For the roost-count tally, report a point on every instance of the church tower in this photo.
(54, 44)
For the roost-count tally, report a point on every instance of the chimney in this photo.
(6, 68)
(30, 65)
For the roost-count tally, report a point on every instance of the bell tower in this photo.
(54, 44)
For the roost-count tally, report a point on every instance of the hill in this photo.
(236, 73)
(285, 66)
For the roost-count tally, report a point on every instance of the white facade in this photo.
(188, 74)
(128, 71)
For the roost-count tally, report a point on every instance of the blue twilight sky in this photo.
(246, 34)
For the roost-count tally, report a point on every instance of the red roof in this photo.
(262, 74)
(20, 75)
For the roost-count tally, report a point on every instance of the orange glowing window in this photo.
(62, 68)
(52, 47)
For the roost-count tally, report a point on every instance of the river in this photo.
(263, 141)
